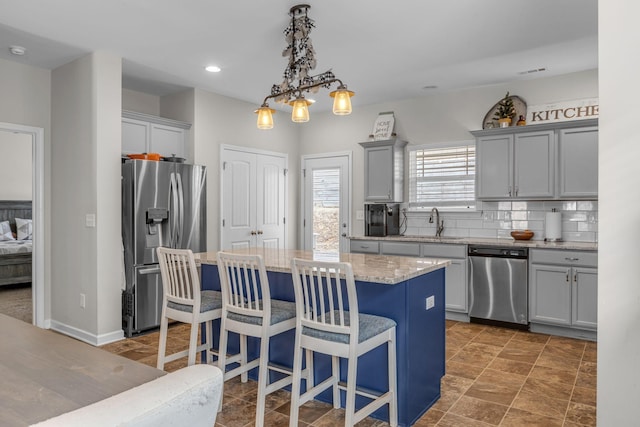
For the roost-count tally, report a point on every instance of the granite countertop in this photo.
(538, 244)
(367, 268)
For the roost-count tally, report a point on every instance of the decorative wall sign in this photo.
(579, 109)
(383, 126)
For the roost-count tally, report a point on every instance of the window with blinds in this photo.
(443, 176)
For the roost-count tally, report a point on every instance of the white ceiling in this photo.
(383, 50)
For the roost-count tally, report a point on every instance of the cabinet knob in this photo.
(253, 233)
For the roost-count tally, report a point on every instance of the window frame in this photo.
(445, 206)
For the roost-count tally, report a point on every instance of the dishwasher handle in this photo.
(498, 252)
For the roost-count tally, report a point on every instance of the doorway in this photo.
(254, 198)
(35, 136)
(326, 202)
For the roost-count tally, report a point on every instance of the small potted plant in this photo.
(505, 111)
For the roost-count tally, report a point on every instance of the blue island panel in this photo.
(420, 341)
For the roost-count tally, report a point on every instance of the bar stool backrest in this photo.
(180, 279)
(326, 299)
(244, 285)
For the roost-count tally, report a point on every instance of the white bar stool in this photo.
(184, 301)
(325, 325)
(249, 311)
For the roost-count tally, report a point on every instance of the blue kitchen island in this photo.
(406, 289)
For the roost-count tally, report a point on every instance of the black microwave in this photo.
(382, 219)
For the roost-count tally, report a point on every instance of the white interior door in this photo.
(270, 201)
(253, 199)
(326, 202)
(238, 199)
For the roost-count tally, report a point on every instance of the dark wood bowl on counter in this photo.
(522, 234)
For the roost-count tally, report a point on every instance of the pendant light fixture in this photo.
(297, 79)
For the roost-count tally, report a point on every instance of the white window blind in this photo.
(443, 176)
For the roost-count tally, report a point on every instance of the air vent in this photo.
(534, 70)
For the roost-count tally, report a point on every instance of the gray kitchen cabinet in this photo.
(578, 163)
(563, 288)
(364, 246)
(543, 161)
(515, 166)
(144, 133)
(456, 284)
(384, 170)
(400, 248)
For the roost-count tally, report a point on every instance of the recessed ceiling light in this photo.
(17, 50)
(212, 68)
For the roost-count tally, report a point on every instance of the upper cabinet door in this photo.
(578, 163)
(167, 140)
(135, 136)
(384, 171)
(494, 167)
(534, 165)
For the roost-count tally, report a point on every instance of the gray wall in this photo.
(15, 166)
(619, 225)
(86, 134)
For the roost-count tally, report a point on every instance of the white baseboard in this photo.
(89, 338)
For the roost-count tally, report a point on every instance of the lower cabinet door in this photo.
(584, 313)
(550, 295)
(456, 286)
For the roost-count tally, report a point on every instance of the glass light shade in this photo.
(300, 112)
(265, 117)
(341, 101)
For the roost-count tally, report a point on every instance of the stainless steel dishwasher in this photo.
(498, 285)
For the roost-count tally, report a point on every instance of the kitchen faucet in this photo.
(439, 224)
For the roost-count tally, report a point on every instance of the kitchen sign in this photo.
(579, 109)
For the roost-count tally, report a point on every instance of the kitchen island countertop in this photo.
(366, 268)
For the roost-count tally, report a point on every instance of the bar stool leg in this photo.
(263, 379)
(335, 374)
(350, 405)
(193, 338)
(393, 386)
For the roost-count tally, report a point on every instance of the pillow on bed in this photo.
(25, 229)
(5, 231)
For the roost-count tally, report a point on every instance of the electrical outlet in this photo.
(83, 300)
(431, 302)
(90, 220)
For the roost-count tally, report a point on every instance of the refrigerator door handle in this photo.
(151, 270)
(180, 220)
(173, 195)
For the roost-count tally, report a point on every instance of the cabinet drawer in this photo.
(364, 246)
(396, 248)
(560, 257)
(444, 250)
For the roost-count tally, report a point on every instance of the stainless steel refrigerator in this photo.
(163, 204)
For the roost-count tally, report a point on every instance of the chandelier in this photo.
(297, 79)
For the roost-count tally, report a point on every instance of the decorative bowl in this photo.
(522, 234)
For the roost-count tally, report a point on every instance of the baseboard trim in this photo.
(564, 332)
(79, 334)
(459, 317)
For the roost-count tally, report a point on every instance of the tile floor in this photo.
(495, 377)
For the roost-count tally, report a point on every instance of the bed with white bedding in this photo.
(15, 242)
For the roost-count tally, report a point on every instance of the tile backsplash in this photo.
(498, 219)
